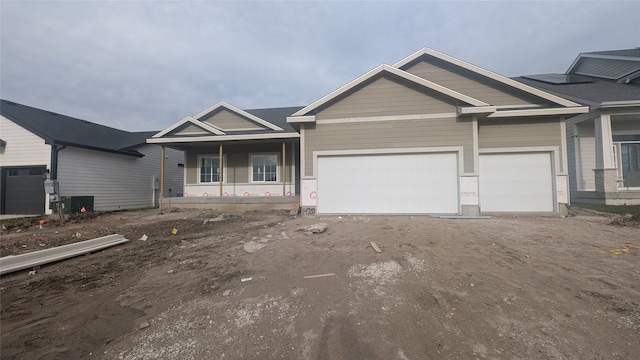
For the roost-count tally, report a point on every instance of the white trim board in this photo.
(388, 118)
(222, 138)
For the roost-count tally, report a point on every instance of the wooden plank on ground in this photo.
(317, 276)
(294, 209)
(375, 247)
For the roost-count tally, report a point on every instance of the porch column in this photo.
(162, 165)
(605, 172)
(284, 170)
(220, 166)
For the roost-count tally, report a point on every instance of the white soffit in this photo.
(486, 73)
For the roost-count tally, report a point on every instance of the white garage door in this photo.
(388, 184)
(516, 182)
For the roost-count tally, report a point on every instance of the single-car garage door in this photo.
(520, 182)
(388, 184)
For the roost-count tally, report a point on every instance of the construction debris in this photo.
(221, 217)
(317, 276)
(314, 229)
(375, 247)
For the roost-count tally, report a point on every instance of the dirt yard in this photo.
(503, 288)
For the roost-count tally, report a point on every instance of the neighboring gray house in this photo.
(434, 134)
(603, 144)
(117, 168)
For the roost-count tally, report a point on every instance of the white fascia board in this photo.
(403, 74)
(476, 110)
(301, 119)
(484, 72)
(191, 120)
(222, 138)
(540, 112)
(238, 111)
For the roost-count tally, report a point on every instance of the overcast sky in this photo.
(143, 65)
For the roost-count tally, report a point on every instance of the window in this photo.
(209, 168)
(264, 167)
(630, 156)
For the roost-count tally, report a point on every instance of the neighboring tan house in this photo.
(116, 168)
(434, 134)
(603, 144)
(259, 152)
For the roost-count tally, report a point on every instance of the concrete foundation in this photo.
(233, 203)
(470, 210)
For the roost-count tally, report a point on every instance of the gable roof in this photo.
(620, 65)
(475, 106)
(272, 122)
(595, 78)
(484, 72)
(57, 129)
(382, 69)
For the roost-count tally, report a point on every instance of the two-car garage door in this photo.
(427, 183)
(407, 183)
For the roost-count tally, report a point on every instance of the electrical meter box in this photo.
(51, 187)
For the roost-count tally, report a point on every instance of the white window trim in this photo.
(224, 168)
(277, 155)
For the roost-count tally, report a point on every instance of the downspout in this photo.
(54, 161)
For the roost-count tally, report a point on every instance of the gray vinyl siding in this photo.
(118, 181)
(521, 132)
(389, 134)
(386, 97)
(471, 84)
(237, 159)
(228, 120)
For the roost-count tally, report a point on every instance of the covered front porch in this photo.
(608, 157)
(235, 159)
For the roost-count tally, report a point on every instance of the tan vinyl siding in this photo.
(471, 84)
(520, 132)
(389, 134)
(586, 156)
(571, 160)
(190, 130)
(237, 159)
(226, 119)
(385, 97)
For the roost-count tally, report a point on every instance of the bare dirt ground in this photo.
(503, 288)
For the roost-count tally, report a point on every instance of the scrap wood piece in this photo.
(375, 247)
(317, 276)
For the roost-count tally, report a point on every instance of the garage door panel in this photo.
(516, 182)
(388, 184)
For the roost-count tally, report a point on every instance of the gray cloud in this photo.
(145, 65)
